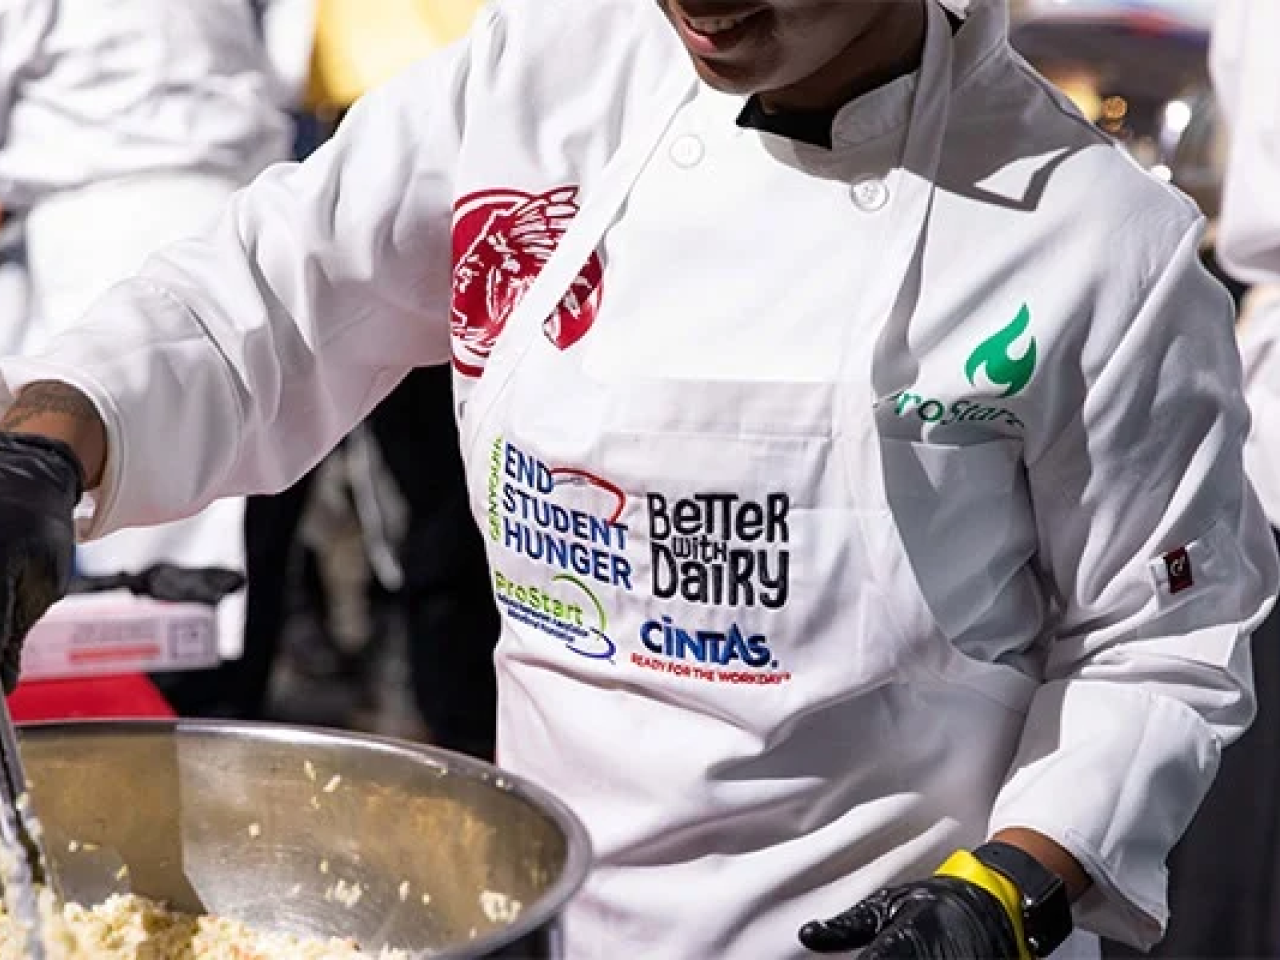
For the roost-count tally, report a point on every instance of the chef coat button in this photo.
(687, 151)
(870, 195)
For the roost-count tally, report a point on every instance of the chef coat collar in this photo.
(884, 109)
(808, 126)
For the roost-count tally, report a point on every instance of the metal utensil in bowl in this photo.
(310, 832)
(24, 862)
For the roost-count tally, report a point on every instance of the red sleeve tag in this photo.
(1177, 563)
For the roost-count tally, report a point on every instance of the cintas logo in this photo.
(730, 655)
(994, 361)
(502, 239)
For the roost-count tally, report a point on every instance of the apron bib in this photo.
(714, 647)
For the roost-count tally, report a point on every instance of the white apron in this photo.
(714, 648)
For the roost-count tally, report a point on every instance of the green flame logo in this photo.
(1002, 369)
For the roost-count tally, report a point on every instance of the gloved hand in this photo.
(966, 911)
(40, 484)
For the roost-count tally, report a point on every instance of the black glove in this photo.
(40, 484)
(996, 903)
(168, 582)
(937, 919)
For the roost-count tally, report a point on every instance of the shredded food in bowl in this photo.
(129, 927)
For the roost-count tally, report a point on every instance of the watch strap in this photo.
(963, 865)
(1046, 908)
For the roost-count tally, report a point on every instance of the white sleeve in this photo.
(1246, 76)
(1148, 672)
(23, 27)
(234, 362)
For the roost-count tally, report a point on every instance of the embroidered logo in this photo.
(502, 239)
(1177, 567)
(992, 357)
(1003, 370)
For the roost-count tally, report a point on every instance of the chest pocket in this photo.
(965, 520)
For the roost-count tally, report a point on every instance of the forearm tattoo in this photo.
(46, 397)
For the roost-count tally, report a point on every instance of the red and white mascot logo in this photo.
(501, 241)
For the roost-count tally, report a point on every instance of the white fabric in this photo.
(1246, 75)
(15, 288)
(977, 627)
(1259, 336)
(1246, 78)
(123, 131)
(80, 243)
(89, 93)
(288, 33)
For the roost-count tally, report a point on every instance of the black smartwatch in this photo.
(1046, 909)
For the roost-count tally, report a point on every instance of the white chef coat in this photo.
(90, 93)
(1246, 78)
(1259, 337)
(842, 506)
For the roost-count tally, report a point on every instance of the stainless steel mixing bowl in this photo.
(281, 826)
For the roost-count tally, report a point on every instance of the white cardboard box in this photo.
(93, 635)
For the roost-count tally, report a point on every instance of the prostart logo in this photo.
(1002, 369)
(995, 362)
(566, 609)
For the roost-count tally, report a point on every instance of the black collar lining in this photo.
(805, 126)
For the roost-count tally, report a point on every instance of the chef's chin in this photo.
(740, 76)
(727, 78)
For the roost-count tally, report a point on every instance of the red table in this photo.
(124, 697)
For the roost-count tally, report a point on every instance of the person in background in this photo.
(855, 433)
(124, 128)
(1246, 76)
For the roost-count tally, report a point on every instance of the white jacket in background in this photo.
(1246, 78)
(946, 423)
(89, 92)
(124, 127)
(1246, 75)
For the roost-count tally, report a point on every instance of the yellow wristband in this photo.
(963, 865)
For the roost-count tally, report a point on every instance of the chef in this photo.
(854, 432)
